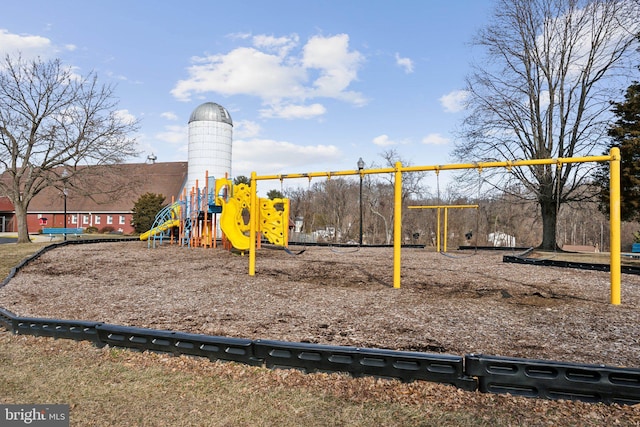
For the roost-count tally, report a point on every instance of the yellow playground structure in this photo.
(193, 220)
(242, 212)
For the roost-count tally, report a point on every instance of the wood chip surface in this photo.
(457, 304)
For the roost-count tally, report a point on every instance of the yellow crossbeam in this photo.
(613, 158)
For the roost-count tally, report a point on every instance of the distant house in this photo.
(103, 200)
(500, 239)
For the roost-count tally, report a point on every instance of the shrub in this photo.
(91, 230)
(145, 210)
(107, 229)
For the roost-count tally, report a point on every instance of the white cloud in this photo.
(455, 101)
(405, 63)
(29, 46)
(324, 67)
(338, 67)
(383, 141)
(293, 111)
(174, 134)
(169, 115)
(239, 36)
(281, 45)
(435, 139)
(74, 73)
(266, 155)
(126, 116)
(246, 129)
(245, 71)
(111, 75)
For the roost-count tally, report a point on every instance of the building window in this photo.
(85, 219)
(121, 219)
(109, 219)
(96, 219)
(74, 219)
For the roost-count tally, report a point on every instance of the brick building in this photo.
(101, 200)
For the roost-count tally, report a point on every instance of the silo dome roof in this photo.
(211, 112)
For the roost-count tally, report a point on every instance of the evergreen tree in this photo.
(625, 134)
(241, 179)
(145, 210)
(275, 194)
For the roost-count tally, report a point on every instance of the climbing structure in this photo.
(274, 220)
(194, 218)
(234, 219)
(166, 220)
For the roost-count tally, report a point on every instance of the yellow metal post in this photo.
(446, 226)
(614, 214)
(285, 219)
(446, 210)
(253, 222)
(438, 231)
(397, 225)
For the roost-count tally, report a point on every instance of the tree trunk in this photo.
(549, 224)
(21, 218)
(387, 234)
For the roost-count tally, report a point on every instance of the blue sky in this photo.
(310, 85)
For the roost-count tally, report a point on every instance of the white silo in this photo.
(210, 135)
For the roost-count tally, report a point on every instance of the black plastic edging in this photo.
(6, 319)
(494, 248)
(211, 347)
(402, 365)
(627, 269)
(71, 329)
(555, 380)
(488, 374)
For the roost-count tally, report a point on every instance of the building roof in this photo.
(211, 112)
(5, 205)
(115, 188)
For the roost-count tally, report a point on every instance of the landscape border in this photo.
(472, 372)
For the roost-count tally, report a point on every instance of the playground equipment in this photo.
(446, 218)
(166, 219)
(273, 221)
(614, 208)
(232, 222)
(192, 220)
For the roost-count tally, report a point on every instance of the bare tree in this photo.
(301, 206)
(53, 120)
(335, 197)
(380, 195)
(544, 92)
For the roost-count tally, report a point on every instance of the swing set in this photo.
(614, 207)
(445, 208)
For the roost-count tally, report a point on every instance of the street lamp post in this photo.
(360, 167)
(65, 174)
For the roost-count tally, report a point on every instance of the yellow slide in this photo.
(161, 228)
(231, 223)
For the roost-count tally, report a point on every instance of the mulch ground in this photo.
(457, 304)
(454, 304)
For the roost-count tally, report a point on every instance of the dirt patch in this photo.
(456, 305)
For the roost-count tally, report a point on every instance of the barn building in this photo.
(106, 198)
(108, 207)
